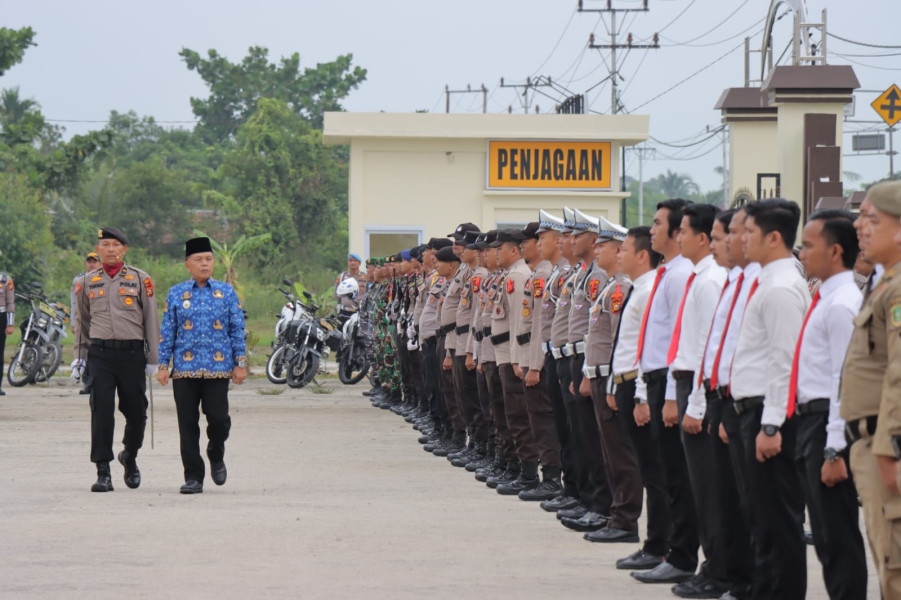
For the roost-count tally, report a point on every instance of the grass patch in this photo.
(271, 391)
(320, 389)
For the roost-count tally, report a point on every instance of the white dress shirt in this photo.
(624, 356)
(767, 338)
(662, 317)
(751, 273)
(826, 338)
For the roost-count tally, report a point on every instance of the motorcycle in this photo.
(293, 311)
(352, 363)
(40, 351)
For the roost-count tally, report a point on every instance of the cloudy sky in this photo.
(94, 56)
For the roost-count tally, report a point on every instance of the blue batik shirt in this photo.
(202, 330)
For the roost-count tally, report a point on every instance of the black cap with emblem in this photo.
(461, 230)
(514, 236)
(447, 255)
(197, 245)
(439, 243)
(112, 233)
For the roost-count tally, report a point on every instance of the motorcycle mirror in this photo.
(287, 281)
(307, 295)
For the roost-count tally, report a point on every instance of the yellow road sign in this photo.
(888, 105)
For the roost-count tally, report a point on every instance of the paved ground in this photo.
(327, 497)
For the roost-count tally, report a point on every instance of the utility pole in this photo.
(528, 85)
(468, 90)
(725, 172)
(613, 46)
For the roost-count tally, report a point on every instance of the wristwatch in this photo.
(896, 445)
(831, 455)
(769, 430)
(242, 364)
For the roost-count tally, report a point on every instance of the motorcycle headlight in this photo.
(321, 334)
(42, 322)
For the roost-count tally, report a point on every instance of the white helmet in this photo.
(348, 287)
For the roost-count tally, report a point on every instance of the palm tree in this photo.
(228, 255)
(675, 185)
(14, 109)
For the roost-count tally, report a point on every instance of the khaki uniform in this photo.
(7, 301)
(871, 388)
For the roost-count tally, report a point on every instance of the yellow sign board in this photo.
(549, 165)
(888, 105)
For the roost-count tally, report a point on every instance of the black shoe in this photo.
(590, 521)
(132, 474)
(479, 463)
(576, 512)
(192, 487)
(2, 393)
(492, 470)
(548, 490)
(85, 390)
(516, 486)
(218, 472)
(104, 481)
(506, 476)
(561, 502)
(700, 586)
(638, 561)
(372, 392)
(612, 534)
(662, 573)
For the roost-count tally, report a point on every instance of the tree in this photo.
(24, 228)
(236, 88)
(13, 44)
(22, 122)
(227, 255)
(674, 185)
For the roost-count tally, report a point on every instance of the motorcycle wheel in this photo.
(53, 354)
(301, 370)
(349, 366)
(275, 367)
(22, 372)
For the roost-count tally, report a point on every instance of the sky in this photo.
(94, 56)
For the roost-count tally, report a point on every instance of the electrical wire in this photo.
(838, 37)
(695, 157)
(684, 10)
(713, 133)
(557, 45)
(722, 41)
(715, 27)
(857, 62)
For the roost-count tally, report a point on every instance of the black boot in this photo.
(509, 474)
(484, 454)
(104, 481)
(132, 474)
(528, 479)
(550, 487)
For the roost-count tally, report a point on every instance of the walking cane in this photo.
(150, 383)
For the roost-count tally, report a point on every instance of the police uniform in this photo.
(447, 344)
(483, 424)
(7, 317)
(118, 336)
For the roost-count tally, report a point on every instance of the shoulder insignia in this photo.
(77, 288)
(511, 286)
(148, 286)
(594, 288)
(616, 300)
(538, 286)
(896, 315)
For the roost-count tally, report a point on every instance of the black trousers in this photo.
(432, 378)
(211, 396)
(561, 425)
(777, 512)
(684, 543)
(447, 387)
(117, 372)
(652, 472)
(417, 372)
(504, 437)
(541, 421)
(484, 425)
(833, 513)
(587, 443)
(467, 390)
(2, 345)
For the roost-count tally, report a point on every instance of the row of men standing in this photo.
(685, 358)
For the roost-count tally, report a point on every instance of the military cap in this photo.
(584, 223)
(416, 252)
(439, 243)
(569, 219)
(197, 245)
(370, 262)
(92, 256)
(514, 236)
(470, 238)
(530, 231)
(548, 222)
(608, 231)
(406, 255)
(446, 254)
(354, 256)
(886, 196)
(112, 233)
(461, 230)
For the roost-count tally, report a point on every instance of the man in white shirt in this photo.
(696, 310)
(760, 376)
(829, 250)
(654, 343)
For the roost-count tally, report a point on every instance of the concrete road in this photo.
(327, 497)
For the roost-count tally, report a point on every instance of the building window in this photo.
(384, 241)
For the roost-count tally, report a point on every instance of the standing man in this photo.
(353, 272)
(870, 387)
(761, 371)
(7, 317)
(91, 263)
(828, 251)
(203, 334)
(117, 336)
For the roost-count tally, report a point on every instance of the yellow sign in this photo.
(888, 105)
(523, 164)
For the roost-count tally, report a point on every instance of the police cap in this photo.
(886, 196)
(446, 254)
(112, 233)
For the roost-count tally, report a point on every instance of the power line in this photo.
(684, 10)
(715, 27)
(722, 41)
(557, 45)
(713, 133)
(838, 37)
(857, 62)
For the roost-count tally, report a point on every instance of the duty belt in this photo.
(546, 347)
(461, 329)
(590, 372)
(746, 404)
(119, 344)
(523, 339)
(445, 329)
(486, 331)
(624, 377)
(683, 374)
(555, 352)
(573, 349)
(820, 405)
(477, 334)
(500, 338)
(861, 429)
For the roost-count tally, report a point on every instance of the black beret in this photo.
(197, 245)
(112, 233)
(439, 243)
(446, 254)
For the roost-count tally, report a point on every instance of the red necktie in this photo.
(714, 376)
(747, 302)
(793, 382)
(647, 311)
(710, 332)
(674, 341)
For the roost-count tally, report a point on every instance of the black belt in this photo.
(500, 338)
(486, 331)
(478, 335)
(853, 428)
(654, 375)
(683, 374)
(746, 404)
(820, 405)
(524, 338)
(119, 344)
(461, 329)
(445, 329)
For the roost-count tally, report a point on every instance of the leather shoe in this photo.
(548, 490)
(2, 393)
(700, 586)
(192, 487)
(85, 390)
(639, 560)
(612, 534)
(590, 521)
(577, 512)
(662, 573)
(561, 502)
(218, 472)
(132, 474)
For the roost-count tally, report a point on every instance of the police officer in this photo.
(7, 317)
(117, 334)
(91, 263)
(203, 333)
(870, 384)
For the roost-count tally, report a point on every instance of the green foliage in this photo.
(13, 44)
(236, 88)
(24, 229)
